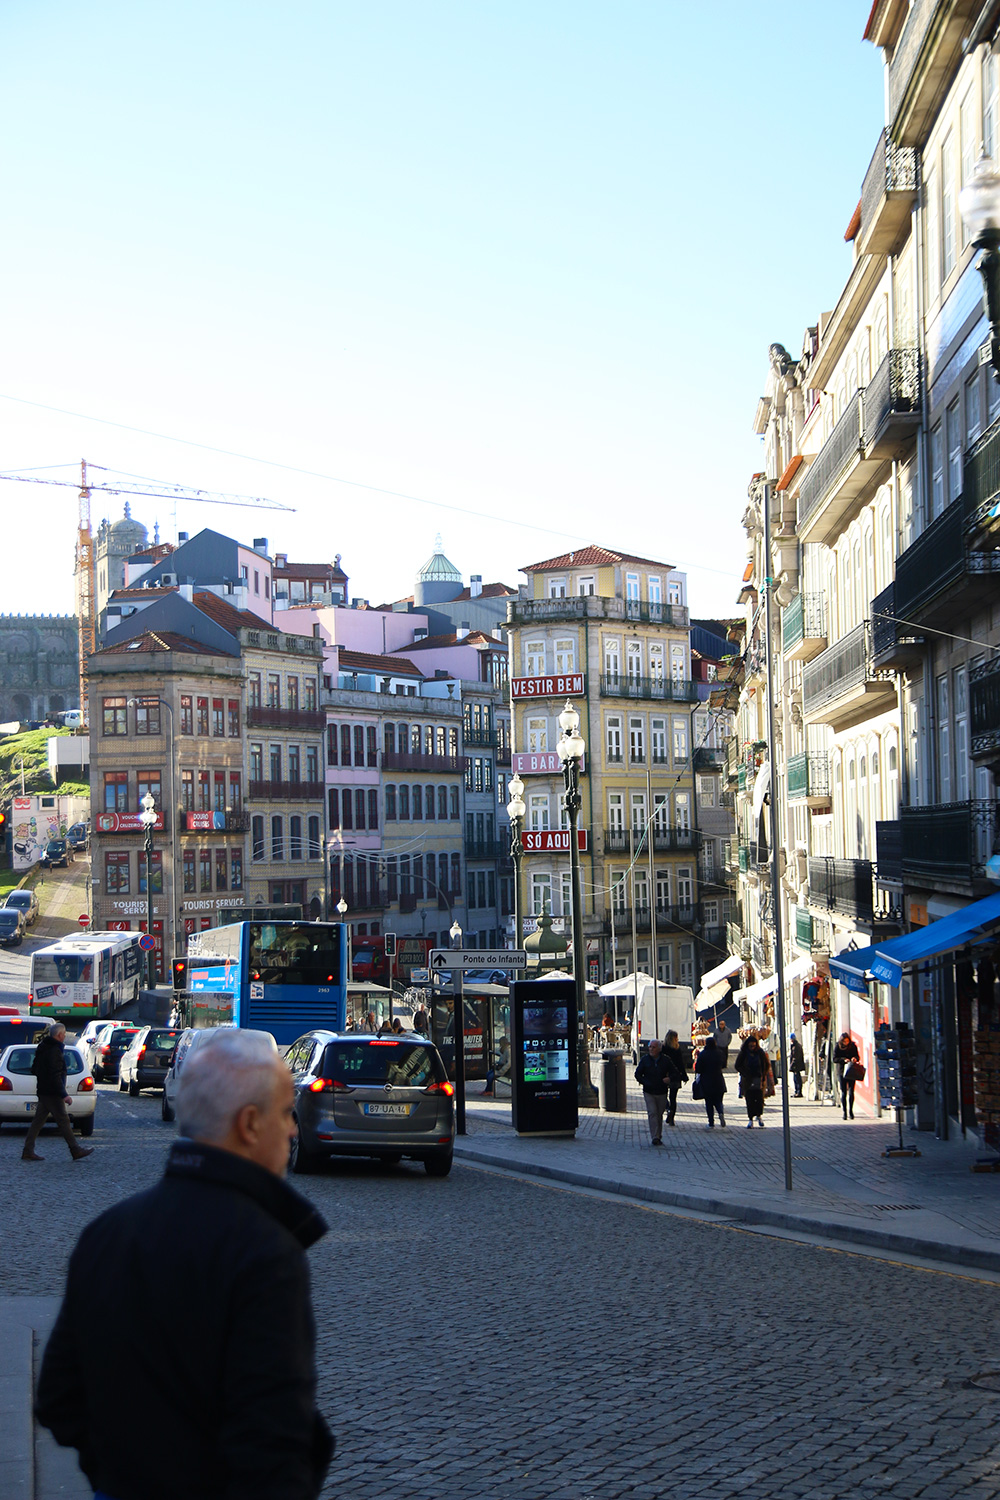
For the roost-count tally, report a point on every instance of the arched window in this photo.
(417, 809)
(390, 804)
(404, 803)
(429, 801)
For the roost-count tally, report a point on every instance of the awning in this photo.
(884, 961)
(761, 783)
(767, 986)
(721, 971)
(715, 984)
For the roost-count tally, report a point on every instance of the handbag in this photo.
(854, 1073)
(698, 1087)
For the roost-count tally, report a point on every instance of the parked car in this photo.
(19, 1095)
(108, 1049)
(187, 1042)
(25, 901)
(56, 852)
(11, 927)
(76, 837)
(363, 1095)
(144, 1065)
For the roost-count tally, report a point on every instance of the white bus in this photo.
(85, 978)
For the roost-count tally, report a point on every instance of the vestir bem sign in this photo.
(551, 840)
(568, 686)
(538, 763)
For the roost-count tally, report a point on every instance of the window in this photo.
(273, 690)
(147, 716)
(417, 802)
(612, 659)
(538, 735)
(637, 810)
(967, 133)
(678, 662)
(294, 763)
(538, 811)
(937, 471)
(944, 737)
(685, 887)
(117, 874)
(613, 732)
(973, 413)
(404, 803)
(954, 431)
(933, 234)
(541, 893)
(680, 732)
(948, 214)
(332, 744)
(637, 740)
(456, 874)
(658, 739)
(148, 782)
(616, 811)
(333, 807)
(221, 870)
(253, 690)
(202, 704)
(256, 581)
(236, 870)
(633, 660)
(675, 592)
(295, 837)
(204, 792)
(390, 804)
(204, 869)
(653, 585)
(372, 808)
(631, 586)
(565, 651)
(187, 791)
(256, 762)
(557, 588)
(429, 802)
(116, 791)
(115, 714)
(371, 743)
(345, 744)
(235, 791)
(534, 658)
(257, 838)
(190, 874)
(277, 839)
(275, 763)
(682, 811)
(292, 689)
(218, 717)
(453, 812)
(267, 586)
(442, 803)
(656, 661)
(187, 714)
(706, 791)
(661, 812)
(990, 104)
(234, 718)
(662, 890)
(687, 963)
(586, 585)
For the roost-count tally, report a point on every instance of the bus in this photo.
(85, 978)
(283, 977)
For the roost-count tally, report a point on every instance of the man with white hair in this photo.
(49, 1067)
(227, 1371)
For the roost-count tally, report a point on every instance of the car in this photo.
(11, 927)
(144, 1064)
(25, 901)
(188, 1041)
(19, 1095)
(76, 837)
(110, 1046)
(88, 1036)
(56, 852)
(23, 1029)
(378, 1096)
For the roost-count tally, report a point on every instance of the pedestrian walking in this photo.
(711, 1081)
(655, 1071)
(796, 1063)
(49, 1067)
(421, 1020)
(675, 1054)
(754, 1066)
(845, 1057)
(232, 1385)
(723, 1040)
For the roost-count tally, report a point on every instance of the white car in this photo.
(90, 1039)
(19, 1096)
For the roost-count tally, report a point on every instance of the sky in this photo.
(507, 272)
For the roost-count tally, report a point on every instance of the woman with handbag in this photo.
(675, 1053)
(847, 1061)
(710, 1082)
(754, 1066)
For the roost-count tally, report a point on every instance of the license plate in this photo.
(387, 1109)
(29, 1109)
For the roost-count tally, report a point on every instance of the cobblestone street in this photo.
(487, 1336)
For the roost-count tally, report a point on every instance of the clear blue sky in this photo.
(523, 259)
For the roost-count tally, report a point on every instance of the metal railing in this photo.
(842, 885)
(732, 757)
(984, 706)
(843, 445)
(261, 716)
(889, 851)
(948, 840)
(803, 619)
(981, 475)
(479, 736)
(708, 758)
(412, 760)
(894, 390)
(658, 689)
(842, 666)
(892, 169)
(807, 775)
(285, 791)
(496, 848)
(595, 607)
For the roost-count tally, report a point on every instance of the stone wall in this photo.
(39, 665)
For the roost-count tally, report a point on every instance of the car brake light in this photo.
(105, 1050)
(440, 1088)
(85, 1086)
(142, 1052)
(328, 1086)
(6, 1087)
(384, 1042)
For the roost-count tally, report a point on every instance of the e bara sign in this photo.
(568, 686)
(538, 763)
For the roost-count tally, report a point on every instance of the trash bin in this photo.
(611, 1081)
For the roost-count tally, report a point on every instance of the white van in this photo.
(661, 1008)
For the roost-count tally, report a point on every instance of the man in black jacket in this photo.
(656, 1073)
(49, 1068)
(227, 1375)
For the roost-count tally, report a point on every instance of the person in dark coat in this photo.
(229, 1378)
(710, 1068)
(49, 1068)
(844, 1054)
(656, 1073)
(796, 1063)
(675, 1054)
(754, 1066)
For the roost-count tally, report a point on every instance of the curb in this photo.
(747, 1213)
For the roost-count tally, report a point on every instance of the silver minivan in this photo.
(378, 1096)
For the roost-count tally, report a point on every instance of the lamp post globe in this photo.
(342, 908)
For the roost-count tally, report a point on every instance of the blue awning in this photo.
(884, 961)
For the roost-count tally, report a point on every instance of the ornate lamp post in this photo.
(147, 818)
(979, 205)
(570, 750)
(515, 812)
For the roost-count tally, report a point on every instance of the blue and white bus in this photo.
(283, 977)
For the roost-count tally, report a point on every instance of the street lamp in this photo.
(455, 933)
(342, 908)
(515, 812)
(979, 205)
(147, 818)
(570, 749)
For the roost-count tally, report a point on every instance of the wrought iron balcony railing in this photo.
(887, 195)
(842, 885)
(803, 628)
(839, 451)
(948, 841)
(984, 705)
(657, 689)
(807, 775)
(261, 716)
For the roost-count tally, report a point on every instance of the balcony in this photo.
(675, 840)
(842, 885)
(480, 736)
(981, 481)
(285, 791)
(984, 704)
(924, 58)
(657, 689)
(894, 645)
(412, 760)
(803, 631)
(833, 481)
(732, 758)
(842, 686)
(593, 607)
(887, 197)
(889, 853)
(807, 777)
(940, 572)
(755, 662)
(738, 946)
(948, 841)
(214, 822)
(492, 849)
(707, 758)
(260, 716)
(891, 403)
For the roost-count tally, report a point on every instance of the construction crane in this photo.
(151, 489)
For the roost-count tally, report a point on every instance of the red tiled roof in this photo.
(474, 638)
(140, 593)
(851, 232)
(592, 557)
(161, 640)
(226, 615)
(308, 570)
(488, 591)
(389, 666)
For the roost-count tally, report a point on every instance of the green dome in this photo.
(438, 567)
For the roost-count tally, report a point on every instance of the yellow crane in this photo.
(149, 489)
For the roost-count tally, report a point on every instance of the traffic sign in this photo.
(83, 919)
(147, 943)
(478, 958)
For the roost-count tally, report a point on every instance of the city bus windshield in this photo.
(69, 968)
(294, 953)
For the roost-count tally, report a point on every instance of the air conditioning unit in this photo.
(167, 580)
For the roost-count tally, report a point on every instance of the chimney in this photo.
(281, 559)
(421, 633)
(475, 585)
(260, 545)
(182, 536)
(462, 631)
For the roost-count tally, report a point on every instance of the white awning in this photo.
(761, 783)
(721, 971)
(710, 997)
(765, 987)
